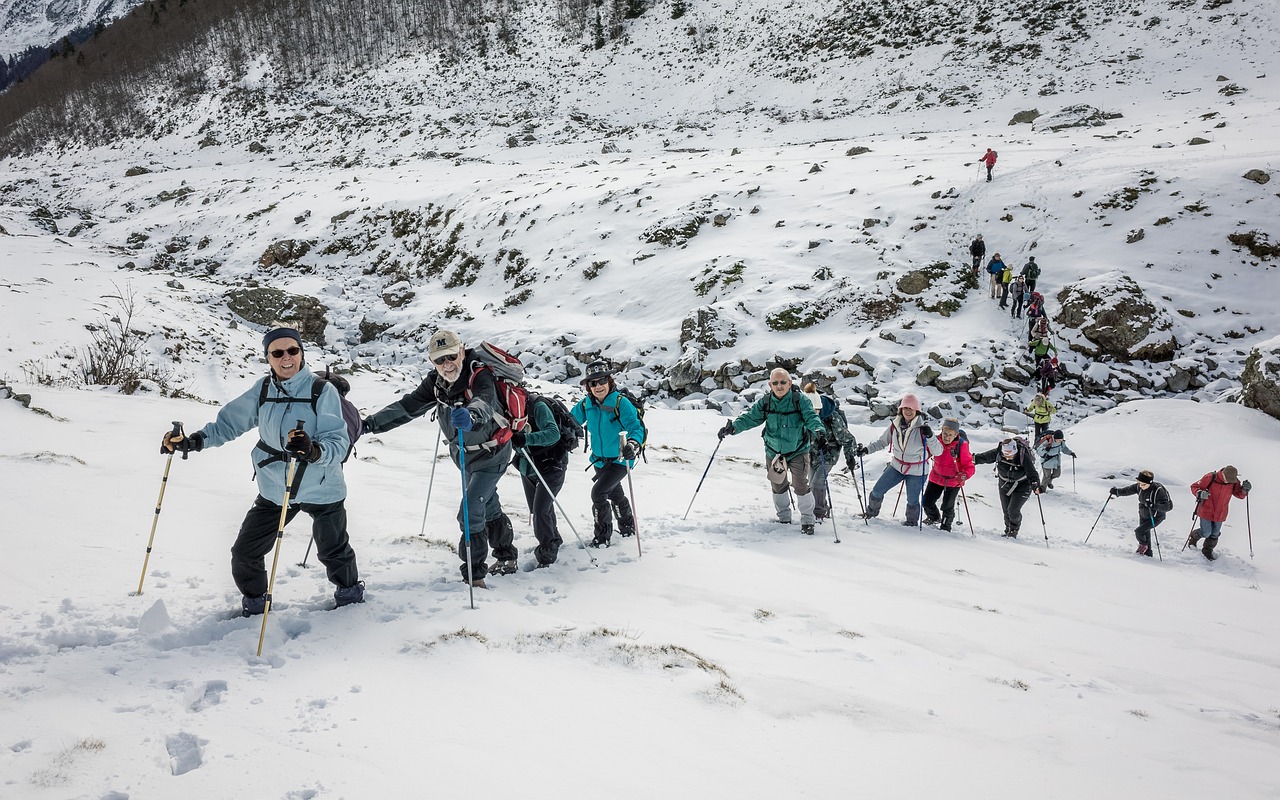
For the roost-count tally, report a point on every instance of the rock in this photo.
(133, 172)
(815, 168)
(266, 307)
(1257, 176)
(882, 410)
(961, 380)
(257, 147)
(857, 150)
(945, 361)
(1015, 374)
(1257, 243)
(1117, 319)
(705, 328)
(398, 294)
(1198, 140)
(1136, 236)
(916, 281)
(609, 147)
(1076, 116)
(283, 253)
(1024, 117)
(1261, 378)
(927, 375)
(687, 372)
(721, 219)
(674, 230)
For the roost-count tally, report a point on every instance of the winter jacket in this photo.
(788, 422)
(907, 445)
(954, 465)
(1153, 502)
(995, 266)
(322, 481)
(1041, 412)
(1051, 453)
(978, 248)
(838, 434)
(989, 158)
(1013, 474)
(476, 390)
(1007, 275)
(1220, 493)
(542, 432)
(1031, 271)
(1041, 347)
(603, 420)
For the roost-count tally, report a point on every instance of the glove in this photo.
(861, 451)
(461, 419)
(1246, 486)
(1112, 491)
(518, 440)
(822, 440)
(182, 444)
(301, 447)
(366, 426)
(727, 430)
(1203, 494)
(927, 431)
(630, 450)
(849, 463)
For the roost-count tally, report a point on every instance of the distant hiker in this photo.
(1006, 278)
(989, 159)
(1018, 290)
(604, 414)
(789, 422)
(977, 249)
(995, 269)
(464, 395)
(1213, 493)
(550, 459)
(318, 485)
(951, 468)
(1031, 271)
(1050, 448)
(1037, 319)
(1153, 503)
(911, 443)
(1047, 373)
(1016, 479)
(838, 438)
(1041, 410)
(1039, 346)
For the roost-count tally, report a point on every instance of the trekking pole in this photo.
(528, 458)
(703, 478)
(284, 517)
(831, 507)
(1095, 522)
(431, 482)
(1194, 515)
(862, 467)
(631, 490)
(901, 486)
(466, 517)
(164, 481)
(1248, 525)
(311, 541)
(972, 532)
(1156, 537)
(1043, 526)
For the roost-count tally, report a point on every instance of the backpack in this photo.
(828, 408)
(570, 430)
(350, 414)
(508, 373)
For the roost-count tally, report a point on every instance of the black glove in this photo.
(517, 440)
(1203, 494)
(182, 444)
(727, 430)
(861, 451)
(927, 431)
(301, 446)
(1246, 486)
(822, 440)
(366, 425)
(1113, 492)
(849, 463)
(630, 450)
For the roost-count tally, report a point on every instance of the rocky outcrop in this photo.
(283, 253)
(1261, 378)
(1077, 116)
(1116, 319)
(266, 307)
(704, 327)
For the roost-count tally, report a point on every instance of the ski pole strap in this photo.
(280, 455)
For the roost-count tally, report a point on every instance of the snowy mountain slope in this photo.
(39, 23)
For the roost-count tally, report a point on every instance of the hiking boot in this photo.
(1143, 550)
(911, 523)
(1010, 534)
(503, 566)
(598, 543)
(627, 528)
(253, 606)
(806, 529)
(945, 526)
(346, 595)
(1194, 541)
(478, 583)
(928, 520)
(1210, 543)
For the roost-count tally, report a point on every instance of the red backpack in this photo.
(513, 399)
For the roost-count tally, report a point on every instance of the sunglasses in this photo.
(442, 359)
(293, 351)
(779, 383)
(598, 382)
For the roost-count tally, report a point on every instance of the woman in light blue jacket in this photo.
(294, 422)
(605, 414)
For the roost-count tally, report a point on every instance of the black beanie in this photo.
(280, 333)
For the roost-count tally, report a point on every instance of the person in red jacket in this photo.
(1213, 492)
(990, 160)
(951, 468)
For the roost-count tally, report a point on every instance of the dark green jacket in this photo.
(787, 421)
(542, 432)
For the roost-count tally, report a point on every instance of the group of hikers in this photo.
(306, 429)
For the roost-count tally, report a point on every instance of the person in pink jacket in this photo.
(1213, 492)
(951, 468)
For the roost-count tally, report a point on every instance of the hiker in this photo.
(1153, 503)
(550, 460)
(911, 443)
(1041, 410)
(319, 444)
(1047, 373)
(1037, 319)
(838, 438)
(1039, 346)
(995, 269)
(977, 249)
(989, 159)
(1016, 479)
(1050, 448)
(604, 413)
(1006, 278)
(1031, 271)
(951, 468)
(1213, 493)
(789, 423)
(464, 395)
(1020, 295)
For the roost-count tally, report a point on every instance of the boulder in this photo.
(1258, 176)
(1261, 378)
(267, 307)
(916, 281)
(284, 253)
(1076, 116)
(705, 327)
(686, 375)
(960, 380)
(927, 375)
(1116, 319)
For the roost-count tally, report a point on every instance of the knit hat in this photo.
(1146, 477)
(596, 370)
(444, 343)
(951, 423)
(910, 401)
(1057, 435)
(1229, 474)
(280, 333)
(1009, 449)
(811, 392)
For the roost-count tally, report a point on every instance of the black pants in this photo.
(1041, 429)
(258, 537)
(934, 491)
(1018, 303)
(542, 506)
(1011, 505)
(1147, 524)
(608, 490)
(1004, 295)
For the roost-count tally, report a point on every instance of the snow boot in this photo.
(346, 595)
(253, 606)
(503, 566)
(1210, 542)
(782, 505)
(626, 520)
(806, 529)
(945, 525)
(913, 516)
(1194, 541)
(604, 524)
(1144, 550)
(873, 506)
(806, 502)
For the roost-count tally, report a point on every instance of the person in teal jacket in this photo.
(605, 415)
(318, 444)
(543, 478)
(790, 424)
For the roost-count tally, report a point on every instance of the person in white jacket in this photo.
(911, 443)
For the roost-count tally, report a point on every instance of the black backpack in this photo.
(570, 430)
(350, 414)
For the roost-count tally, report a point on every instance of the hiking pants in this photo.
(257, 537)
(798, 471)
(1147, 524)
(1011, 505)
(890, 478)
(948, 494)
(483, 511)
(607, 489)
(542, 507)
